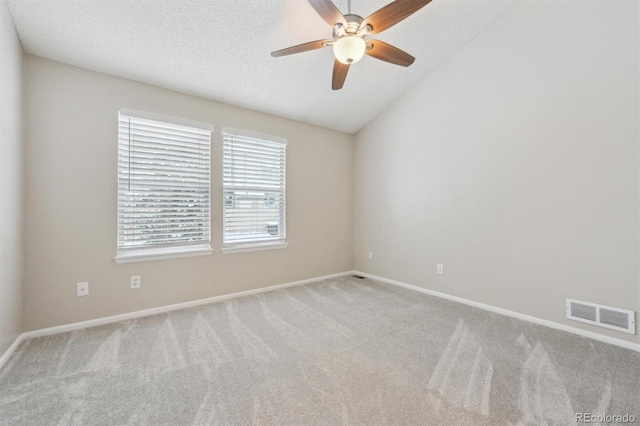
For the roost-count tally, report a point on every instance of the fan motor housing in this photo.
(353, 26)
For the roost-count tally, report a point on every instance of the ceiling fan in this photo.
(349, 36)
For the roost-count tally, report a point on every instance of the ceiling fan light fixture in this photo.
(349, 49)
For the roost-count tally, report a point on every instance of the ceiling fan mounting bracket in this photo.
(352, 28)
(353, 24)
(364, 30)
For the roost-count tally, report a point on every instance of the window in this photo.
(163, 187)
(253, 191)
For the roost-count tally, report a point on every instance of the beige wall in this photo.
(71, 200)
(515, 164)
(11, 235)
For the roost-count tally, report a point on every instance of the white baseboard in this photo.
(596, 336)
(162, 309)
(138, 314)
(7, 354)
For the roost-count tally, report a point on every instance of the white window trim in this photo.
(252, 246)
(157, 254)
(167, 252)
(242, 248)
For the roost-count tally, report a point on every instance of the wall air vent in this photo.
(602, 316)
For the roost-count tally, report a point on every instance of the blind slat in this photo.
(171, 127)
(159, 232)
(176, 135)
(151, 185)
(163, 144)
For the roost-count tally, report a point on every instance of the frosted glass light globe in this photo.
(349, 49)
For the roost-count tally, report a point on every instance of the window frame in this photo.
(248, 246)
(164, 252)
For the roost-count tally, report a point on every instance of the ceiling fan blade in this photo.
(393, 13)
(340, 71)
(328, 11)
(388, 53)
(312, 45)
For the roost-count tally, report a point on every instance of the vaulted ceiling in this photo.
(220, 49)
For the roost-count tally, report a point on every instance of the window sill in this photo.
(162, 255)
(253, 247)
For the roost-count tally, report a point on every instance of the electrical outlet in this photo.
(82, 289)
(440, 269)
(370, 255)
(135, 281)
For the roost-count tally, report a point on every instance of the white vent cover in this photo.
(602, 316)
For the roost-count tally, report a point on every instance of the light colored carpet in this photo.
(342, 351)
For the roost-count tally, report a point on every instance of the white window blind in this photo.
(254, 189)
(163, 184)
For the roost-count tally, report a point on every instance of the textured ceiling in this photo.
(220, 49)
